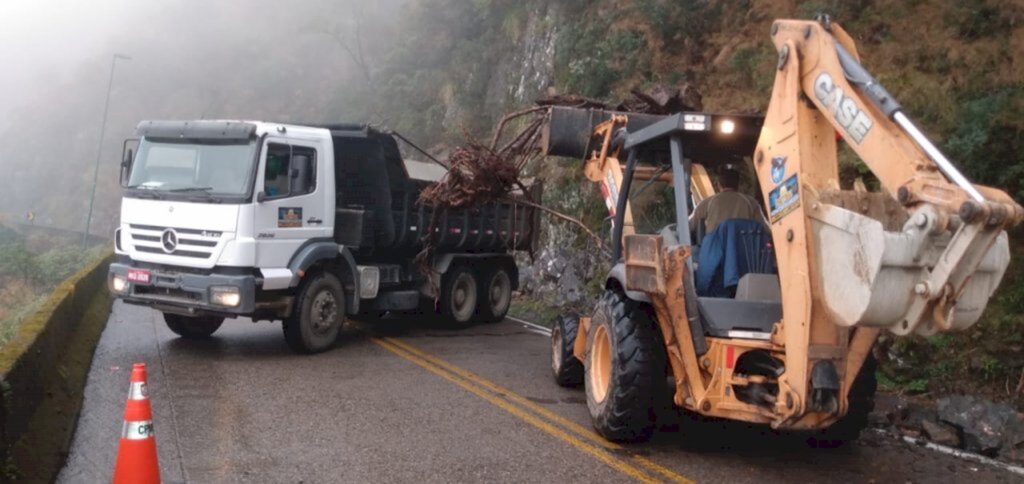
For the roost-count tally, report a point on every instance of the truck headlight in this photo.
(225, 296)
(118, 284)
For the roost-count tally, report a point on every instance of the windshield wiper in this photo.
(144, 191)
(190, 189)
(206, 196)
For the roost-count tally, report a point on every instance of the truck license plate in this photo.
(138, 275)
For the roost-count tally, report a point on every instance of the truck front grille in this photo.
(178, 242)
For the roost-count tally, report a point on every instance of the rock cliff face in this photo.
(516, 68)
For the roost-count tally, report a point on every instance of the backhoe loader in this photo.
(806, 296)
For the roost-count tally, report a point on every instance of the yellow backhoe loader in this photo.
(788, 342)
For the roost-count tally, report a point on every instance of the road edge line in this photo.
(959, 453)
(544, 329)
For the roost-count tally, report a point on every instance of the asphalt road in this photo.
(424, 404)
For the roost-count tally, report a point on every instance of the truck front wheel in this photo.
(318, 315)
(193, 327)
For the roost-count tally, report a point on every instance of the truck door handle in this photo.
(314, 220)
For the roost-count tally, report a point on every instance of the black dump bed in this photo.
(377, 208)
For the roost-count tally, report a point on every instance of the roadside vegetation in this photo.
(30, 267)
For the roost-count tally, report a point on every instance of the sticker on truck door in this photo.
(289, 217)
(783, 199)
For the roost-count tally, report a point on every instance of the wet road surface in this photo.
(418, 403)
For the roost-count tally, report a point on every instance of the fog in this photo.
(224, 59)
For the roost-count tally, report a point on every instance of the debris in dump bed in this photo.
(476, 175)
(479, 174)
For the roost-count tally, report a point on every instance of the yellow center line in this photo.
(595, 451)
(575, 428)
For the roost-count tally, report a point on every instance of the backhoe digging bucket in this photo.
(916, 280)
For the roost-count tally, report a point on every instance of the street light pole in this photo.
(99, 149)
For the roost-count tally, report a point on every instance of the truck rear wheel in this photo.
(567, 368)
(623, 369)
(496, 295)
(318, 315)
(459, 296)
(193, 327)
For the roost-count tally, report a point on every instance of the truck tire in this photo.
(860, 401)
(193, 327)
(568, 369)
(495, 294)
(624, 368)
(319, 313)
(458, 303)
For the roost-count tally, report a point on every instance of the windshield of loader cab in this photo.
(652, 198)
(190, 168)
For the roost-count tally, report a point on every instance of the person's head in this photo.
(729, 179)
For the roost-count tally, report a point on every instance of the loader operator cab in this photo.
(733, 265)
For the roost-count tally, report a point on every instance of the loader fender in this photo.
(344, 265)
(617, 277)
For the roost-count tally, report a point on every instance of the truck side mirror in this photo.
(126, 167)
(127, 158)
(261, 197)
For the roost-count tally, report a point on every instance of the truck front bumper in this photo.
(181, 292)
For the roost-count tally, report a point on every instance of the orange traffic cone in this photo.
(136, 456)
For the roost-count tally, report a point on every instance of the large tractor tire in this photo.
(458, 303)
(193, 327)
(624, 368)
(495, 294)
(319, 313)
(860, 401)
(568, 369)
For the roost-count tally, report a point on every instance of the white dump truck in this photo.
(304, 224)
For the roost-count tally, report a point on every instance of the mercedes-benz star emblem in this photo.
(169, 240)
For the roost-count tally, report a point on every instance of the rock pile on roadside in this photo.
(966, 422)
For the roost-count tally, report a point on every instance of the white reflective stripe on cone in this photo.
(138, 391)
(139, 430)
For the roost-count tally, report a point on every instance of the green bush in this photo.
(988, 140)
(17, 262)
(672, 19)
(590, 60)
(755, 65)
(59, 264)
(976, 19)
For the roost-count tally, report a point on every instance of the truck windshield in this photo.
(187, 168)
